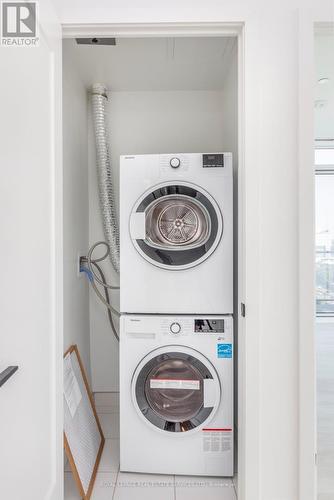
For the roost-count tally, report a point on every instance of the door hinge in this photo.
(243, 309)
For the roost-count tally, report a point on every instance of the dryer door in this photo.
(176, 389)
(176, 226)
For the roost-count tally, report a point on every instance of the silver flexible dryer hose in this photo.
(104, 172)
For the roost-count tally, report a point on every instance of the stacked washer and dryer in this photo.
(176, 329)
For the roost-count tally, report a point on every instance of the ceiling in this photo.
(324, 92)
(155, 63)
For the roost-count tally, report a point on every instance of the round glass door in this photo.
(183, 226)
(169, 390)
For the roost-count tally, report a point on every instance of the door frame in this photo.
(247, 455)
(311, 22)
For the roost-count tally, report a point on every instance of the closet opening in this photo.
(171, 109)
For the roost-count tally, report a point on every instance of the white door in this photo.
(30, 289)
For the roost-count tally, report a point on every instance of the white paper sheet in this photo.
(72, 391)
(158, 383)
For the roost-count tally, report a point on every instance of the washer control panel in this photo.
(208, 325)
(177, 325)
(153, 326)
(199, 325)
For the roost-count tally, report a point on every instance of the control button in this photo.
(175, 327)
(175, 162)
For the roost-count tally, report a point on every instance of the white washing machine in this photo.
(176, 233)
(176, 394)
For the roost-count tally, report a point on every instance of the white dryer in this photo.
(176, 394)
(176, 233)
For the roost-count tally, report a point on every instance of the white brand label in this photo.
(163, 383)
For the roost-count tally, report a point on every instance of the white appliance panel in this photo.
(201, 443)
(202, 284)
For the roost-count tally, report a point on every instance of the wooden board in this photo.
(83, 436)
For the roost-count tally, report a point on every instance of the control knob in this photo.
(175, 162)
(175, 327)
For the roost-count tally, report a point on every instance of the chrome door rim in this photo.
(189, 257)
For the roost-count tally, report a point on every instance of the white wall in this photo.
(76, 216)
(139, 123)
(31, 272)
(230, 107)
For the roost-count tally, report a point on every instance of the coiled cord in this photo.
(92, 265)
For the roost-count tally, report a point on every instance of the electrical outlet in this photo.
(79, 258)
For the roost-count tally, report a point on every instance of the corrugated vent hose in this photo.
(107, 205)
(104, 172)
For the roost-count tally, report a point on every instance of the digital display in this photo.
(209, 326)
(213, 160)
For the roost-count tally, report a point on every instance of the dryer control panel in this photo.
(209, 325)
(213, 160)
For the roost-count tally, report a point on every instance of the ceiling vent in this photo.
(96, 41)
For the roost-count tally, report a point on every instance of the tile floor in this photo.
(111, 484)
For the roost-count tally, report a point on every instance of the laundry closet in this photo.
(172, 103)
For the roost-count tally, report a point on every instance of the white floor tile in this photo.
(106, 399)
(144, 487)
(103, 487)
(70, 488)
(199, 488)
(110, 425)
(67, 467)
(110, 456)
(107, 409)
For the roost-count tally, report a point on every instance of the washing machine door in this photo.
(176, 226)
(176, 389)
